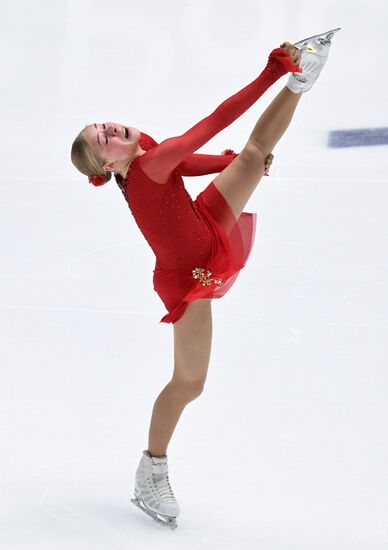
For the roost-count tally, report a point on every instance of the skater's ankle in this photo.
(156, 454)
(292, 90)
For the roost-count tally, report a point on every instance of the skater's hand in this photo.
(267, 163)
(293, 52)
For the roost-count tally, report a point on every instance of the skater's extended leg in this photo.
(238, 181)
(274, 121)
(192, 345)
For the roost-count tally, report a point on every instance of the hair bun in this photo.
(97, 180)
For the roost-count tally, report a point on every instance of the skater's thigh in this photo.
(192, 344)
(240, 178)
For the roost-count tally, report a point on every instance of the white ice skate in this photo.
(153, 493)
(314, 51)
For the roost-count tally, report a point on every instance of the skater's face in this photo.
(113, 141)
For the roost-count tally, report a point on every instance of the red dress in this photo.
(199, 245)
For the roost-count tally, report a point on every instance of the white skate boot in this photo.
(153, 493)
(314, 51)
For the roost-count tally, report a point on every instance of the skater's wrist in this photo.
(275, 67)
(280, 61)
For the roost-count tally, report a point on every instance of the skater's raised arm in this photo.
(160, 161)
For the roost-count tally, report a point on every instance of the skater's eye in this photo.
(106, 139)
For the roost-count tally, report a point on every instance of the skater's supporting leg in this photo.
(192, 345)
(166, 412)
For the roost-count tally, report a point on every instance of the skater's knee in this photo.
(187, 390)
(254, 153)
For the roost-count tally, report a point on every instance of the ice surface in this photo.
(287, 446)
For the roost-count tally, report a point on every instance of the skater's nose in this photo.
(111, 129)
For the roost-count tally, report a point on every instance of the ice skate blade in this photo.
(166, 521)
(324, 36)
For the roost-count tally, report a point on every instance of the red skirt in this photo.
(232, 242)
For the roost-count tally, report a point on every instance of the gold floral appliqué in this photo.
(204, 277)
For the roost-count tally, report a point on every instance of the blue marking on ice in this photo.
(358, 137)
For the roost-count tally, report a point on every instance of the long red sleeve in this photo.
(199, 165)
(161, 160)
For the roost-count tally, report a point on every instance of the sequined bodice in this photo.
(168, 218)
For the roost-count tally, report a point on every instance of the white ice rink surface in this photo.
(286, 449)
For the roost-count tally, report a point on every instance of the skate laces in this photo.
(162, 483)
(311, 65)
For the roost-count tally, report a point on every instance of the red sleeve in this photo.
(199, 165)
(160, 161)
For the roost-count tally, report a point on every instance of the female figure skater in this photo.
(200, 246)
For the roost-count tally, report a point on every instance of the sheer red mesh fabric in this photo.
(232, 242)
(199, 246)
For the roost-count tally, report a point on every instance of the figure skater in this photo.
(200, 246)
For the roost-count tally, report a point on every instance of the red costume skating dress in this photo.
(199, 245)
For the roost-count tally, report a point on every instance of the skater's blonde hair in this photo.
(86, 160)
